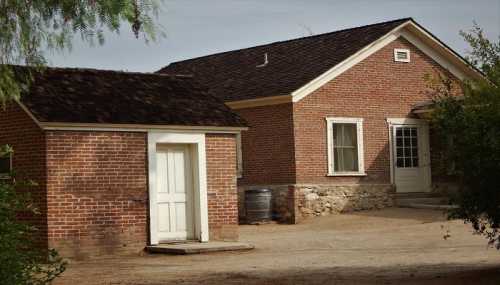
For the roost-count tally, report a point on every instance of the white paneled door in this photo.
(174, 187)
(411, 158)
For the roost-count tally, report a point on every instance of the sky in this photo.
(200, 27)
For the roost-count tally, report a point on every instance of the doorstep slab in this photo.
(198, 247)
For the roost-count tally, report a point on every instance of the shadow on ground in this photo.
(448, 274)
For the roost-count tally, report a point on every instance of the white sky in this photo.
(200, 27)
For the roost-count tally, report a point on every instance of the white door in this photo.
(411, 158)
(174, 187)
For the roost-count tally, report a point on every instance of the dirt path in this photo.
(391, 246)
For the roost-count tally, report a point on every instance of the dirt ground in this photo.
(390, 246)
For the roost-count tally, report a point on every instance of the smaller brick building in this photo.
(124, 160)
(333, 124)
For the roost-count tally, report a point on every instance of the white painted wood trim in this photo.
(340, 68)
(197, 141)
(446, 64)
(359, 131)
(456, 65)
(464, 66)
(424, 153)
(406, 121)
(391, 151)
(138, 128)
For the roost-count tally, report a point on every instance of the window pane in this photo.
(399, 132)
(407, 151)
(415, 162)
(413, 132)
(406, 132)
(345, 148)
(4, 165)
(407, 142)
(407, 162)
(344, 135)
(350, 137)
(350, 160)
(337, 159)
(400, 152)
(400, 162)
(414, 142)
(414, 152)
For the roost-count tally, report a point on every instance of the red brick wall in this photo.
(18, 130)
(268, 145)
(97, 192)
(221, 186)
(375, 89)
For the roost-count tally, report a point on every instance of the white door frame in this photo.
(197, 143)
(426, 157)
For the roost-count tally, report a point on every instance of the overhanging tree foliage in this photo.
(469, 126)
(30, 27)
(27, 29)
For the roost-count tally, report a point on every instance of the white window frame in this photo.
(407, 51)
(359, 131)
(6, 175)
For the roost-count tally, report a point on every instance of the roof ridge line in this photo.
(76, 69)
(294, 39)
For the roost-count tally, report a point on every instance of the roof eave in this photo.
(138, 127)
(266, 101)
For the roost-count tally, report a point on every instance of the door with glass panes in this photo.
(411, 158)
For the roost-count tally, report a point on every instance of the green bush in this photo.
(22, 260)
(469, 126)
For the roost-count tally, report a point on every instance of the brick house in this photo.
(123, 160)
(334, 119)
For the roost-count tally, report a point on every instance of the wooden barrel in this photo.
(258, 205)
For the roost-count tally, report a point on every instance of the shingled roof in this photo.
(234, 75)
(66, 95)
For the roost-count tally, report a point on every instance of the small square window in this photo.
(401, 55)
(5, 166)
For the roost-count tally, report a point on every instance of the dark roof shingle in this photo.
(234, 75)
(68, 95)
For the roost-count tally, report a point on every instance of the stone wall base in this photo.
(293, 202)
(321, 200)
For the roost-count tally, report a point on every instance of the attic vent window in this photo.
(401, 55)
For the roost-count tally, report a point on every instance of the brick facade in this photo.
(221, 187)
(93, 186)
(97, 192)
(268, 145)
(375, 89)
(19, 131)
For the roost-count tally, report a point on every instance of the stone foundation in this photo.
(321, 200)
(291, 203)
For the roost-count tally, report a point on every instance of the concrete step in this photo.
(198, 247)
(417, 195)
(423, 200)
(428, 201)
(429, 206)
